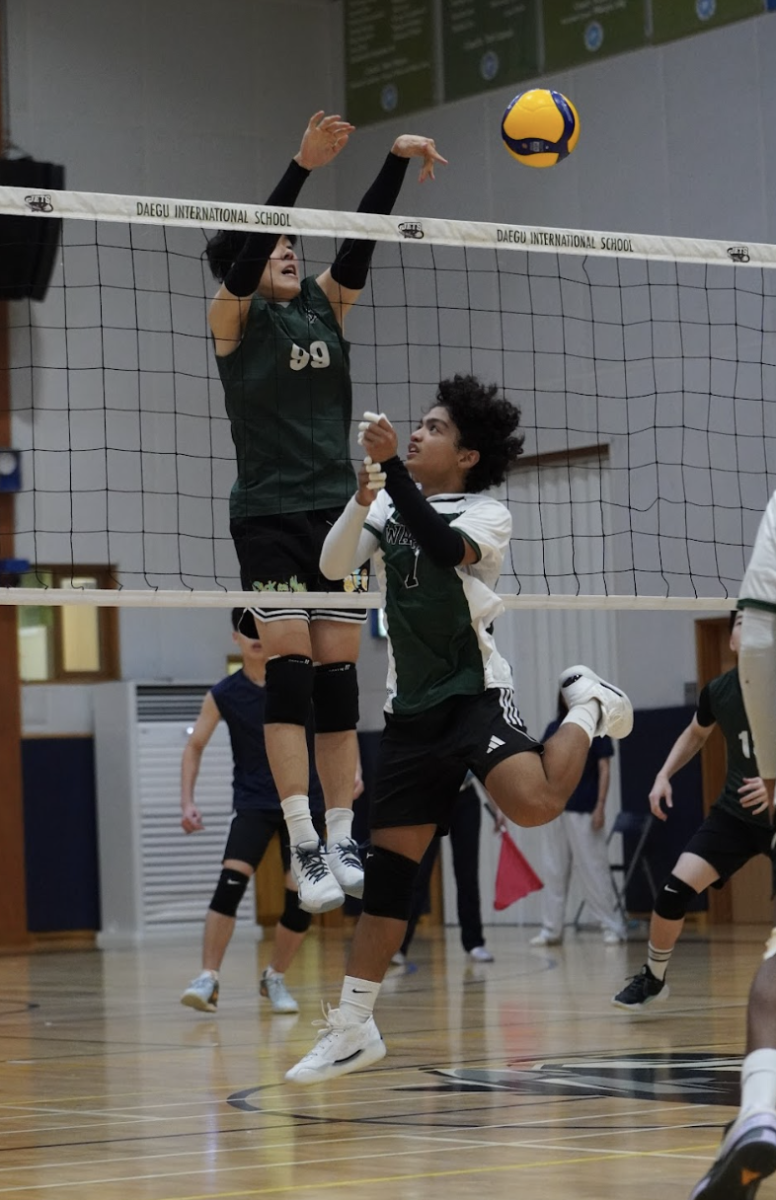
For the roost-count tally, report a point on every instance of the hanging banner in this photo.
(389, 58)
(579, 31)
(488, 44)
(677, 18)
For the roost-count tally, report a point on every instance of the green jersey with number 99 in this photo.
(289, 401)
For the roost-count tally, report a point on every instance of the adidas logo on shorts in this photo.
(494, 744)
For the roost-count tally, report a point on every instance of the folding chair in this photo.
(636, 825)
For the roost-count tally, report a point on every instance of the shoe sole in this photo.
(327, 905)
(738, 1176)
(357, 1062)
(619, 722)
(190, 1000)
(658, 999)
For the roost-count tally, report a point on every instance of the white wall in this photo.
(207, 98)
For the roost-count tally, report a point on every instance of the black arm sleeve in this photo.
(351, 266)
(243, 276)
(444, 545)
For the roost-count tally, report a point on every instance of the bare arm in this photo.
(686, 746)
(208, 718)
(598, 814)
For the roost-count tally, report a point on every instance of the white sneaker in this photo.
(481, 954)
(398, 959)
(613, 938)
(580, 684)
(346, 867)
(274, 989)
(342, 1046)
(319, 891)
(202, 993)
(545, 938)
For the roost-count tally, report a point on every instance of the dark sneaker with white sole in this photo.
(746, 1157)
(641, 991)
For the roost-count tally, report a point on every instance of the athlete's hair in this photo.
(486, 422)
(225, 246)
(732, 619)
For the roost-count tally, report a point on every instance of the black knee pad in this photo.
(294, 917)
(674, 898)
(388, 882)
(229, 892)
(289, 683)
(335, 697)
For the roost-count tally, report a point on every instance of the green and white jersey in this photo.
(721, 701)
(289, 401)
(440, 641)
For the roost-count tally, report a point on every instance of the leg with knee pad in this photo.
(335, 697)
(229, 892)
(389, 879)
(293, 917)
(674, 898)
(289, 683)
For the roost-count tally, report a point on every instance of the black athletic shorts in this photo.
(727, 843)
(253, 829)
(422, 760)
(283, 553)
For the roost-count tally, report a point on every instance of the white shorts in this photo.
(758, 587)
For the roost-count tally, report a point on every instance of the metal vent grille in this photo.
(170, 702)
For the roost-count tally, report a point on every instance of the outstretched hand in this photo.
(323, 139)
(411, 145)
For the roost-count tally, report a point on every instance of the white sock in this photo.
(296, 811)
(357, 999)
(586, 716)
(758, 1081)
(658, 960)
(207, 971)
(271, 972)
(339, 825)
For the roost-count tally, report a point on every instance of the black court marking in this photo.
(694, 1078)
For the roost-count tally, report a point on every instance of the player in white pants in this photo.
(748, 1151)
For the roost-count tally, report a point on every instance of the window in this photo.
(69, 643)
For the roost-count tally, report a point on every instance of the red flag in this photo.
(515, 877)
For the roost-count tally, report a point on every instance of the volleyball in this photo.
(540, 127)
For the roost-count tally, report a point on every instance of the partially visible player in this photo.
(748, 1151)
(438, 549)
(285, 367)
(240, 699)
(736, 829)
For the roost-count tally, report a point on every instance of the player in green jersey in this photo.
(748, 1151)
(736, 829)
(284, 364)
(438, 541)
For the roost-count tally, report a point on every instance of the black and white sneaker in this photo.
(641, 991)
(580, 684)
(746, 1157)
(346, 866)
(319, 891)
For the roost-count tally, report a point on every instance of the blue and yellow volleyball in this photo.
(540, 128)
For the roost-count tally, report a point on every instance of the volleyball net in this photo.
(644, 368)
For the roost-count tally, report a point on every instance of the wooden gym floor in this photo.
(515, 1077)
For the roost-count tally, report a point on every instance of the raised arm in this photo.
(323, 139)
(347, 275)
(209, 716)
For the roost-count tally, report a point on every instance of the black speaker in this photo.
(28, 247)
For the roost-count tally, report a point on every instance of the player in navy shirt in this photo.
(239, 700)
